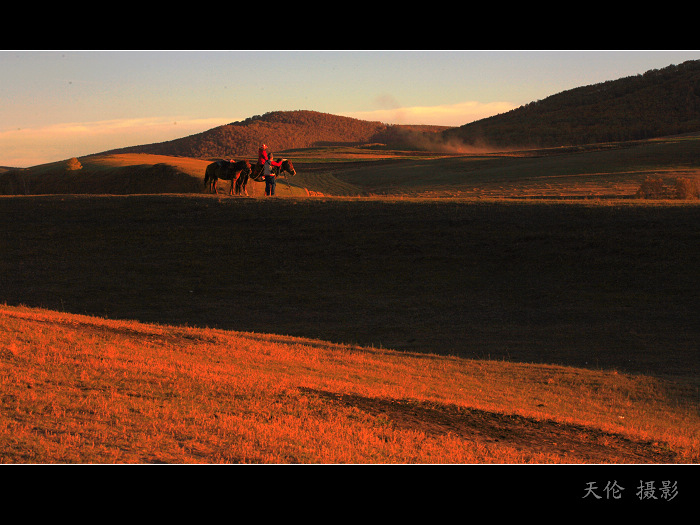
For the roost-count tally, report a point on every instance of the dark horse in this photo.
(223, 169)
(256, 173)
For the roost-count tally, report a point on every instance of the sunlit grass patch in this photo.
(84, 389)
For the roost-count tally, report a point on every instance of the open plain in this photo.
(404, 319)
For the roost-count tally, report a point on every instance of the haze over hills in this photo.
(654, 104)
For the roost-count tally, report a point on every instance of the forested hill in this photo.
(660, 102)
(283, 130)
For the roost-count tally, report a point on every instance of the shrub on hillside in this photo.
(683, 188)
(73, 164)
(687, 188)
(651, 188)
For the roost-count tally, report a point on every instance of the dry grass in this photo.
(127, 173)
(470, 293)
(615, 170)
(90, 390)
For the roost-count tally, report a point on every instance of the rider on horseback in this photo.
(262, 154)
(262, 158)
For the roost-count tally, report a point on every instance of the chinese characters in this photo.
(646, 490)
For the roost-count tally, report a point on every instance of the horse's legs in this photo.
(233, 182)
(241, 184)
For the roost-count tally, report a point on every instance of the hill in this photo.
(613, 170)
(347, 330)
(283, 130)
(79, 389)
(654, 104)
(123, 174)
(594, 284)
(612, 131)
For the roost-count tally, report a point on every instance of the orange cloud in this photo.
(443, 115)
(32, 146)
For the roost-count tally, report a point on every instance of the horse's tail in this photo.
(207, 175)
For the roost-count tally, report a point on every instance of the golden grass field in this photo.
(614, 170)
(91, 390)
(438, 318)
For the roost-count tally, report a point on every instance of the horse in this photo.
(256, 173)
(227, 170)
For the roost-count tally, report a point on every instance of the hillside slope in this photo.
(658, 103)
(580, 284)
(79, 389)
(125, 174)
(283, 130)
(613, 170)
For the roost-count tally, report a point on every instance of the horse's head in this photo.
(288, 167)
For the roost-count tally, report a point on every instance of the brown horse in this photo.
(256, 173)
(223, 169)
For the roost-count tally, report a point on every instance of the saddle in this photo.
(260, 176)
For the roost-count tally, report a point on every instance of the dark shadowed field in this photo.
(601, 285)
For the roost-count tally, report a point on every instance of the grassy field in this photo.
(614, 170)
(370, 323)
(589, 284)
(79, 389)
(554, 293)
(127, 174)
(593, 172)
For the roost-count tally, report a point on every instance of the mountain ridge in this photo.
(657, 103)
(284, 130)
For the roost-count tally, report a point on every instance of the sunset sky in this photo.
(59, 104)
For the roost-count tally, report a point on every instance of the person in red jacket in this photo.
(262, 158)
(262, 154)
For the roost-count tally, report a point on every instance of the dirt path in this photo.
(573, 443)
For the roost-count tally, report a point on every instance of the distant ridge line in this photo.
(658, 103)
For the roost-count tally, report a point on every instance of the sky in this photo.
(58, 104)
